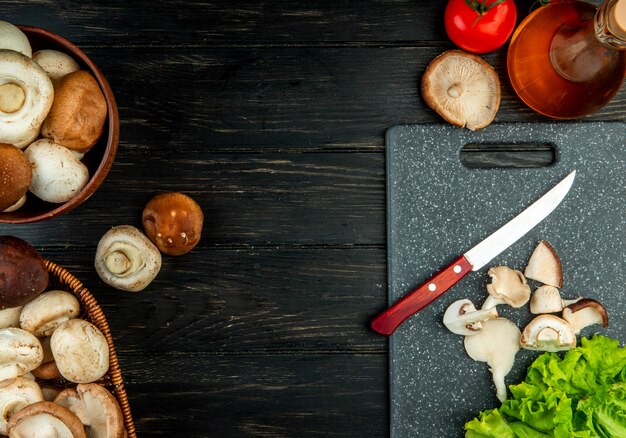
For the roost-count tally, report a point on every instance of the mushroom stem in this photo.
(123, 259)
(12, 97)
(456, 90)
(498, 380)
(477, 315)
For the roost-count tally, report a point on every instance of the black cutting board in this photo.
(438, 209)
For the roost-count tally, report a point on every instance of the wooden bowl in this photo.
(98, 160)
(90, 311)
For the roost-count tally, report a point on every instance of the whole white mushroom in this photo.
(56, 64)
(57, 174)
(12, 38)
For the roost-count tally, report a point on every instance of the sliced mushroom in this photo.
(24, 273)
(126, 259)
(462, 318)
(497, 344)
(49, 310)
(26, 95)
(15, 175)
(548, 333)
(462, 88)
(80, 350)
(173, 222)
(10, 317)
(544, 265)
(20, 352)
(507, 286)
(45, 419)
(12, 38)
(547, 299)
(584, 313)
(56, 64)
(18, 394)
(58, 175)
(96, 407)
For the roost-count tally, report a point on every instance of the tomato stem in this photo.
(481, 7)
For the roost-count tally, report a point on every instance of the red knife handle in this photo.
(388, 321)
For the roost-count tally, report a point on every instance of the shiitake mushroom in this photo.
(23, 274)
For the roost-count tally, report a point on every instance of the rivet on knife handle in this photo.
(387, 322)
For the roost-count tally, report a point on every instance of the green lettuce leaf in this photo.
(489, 424)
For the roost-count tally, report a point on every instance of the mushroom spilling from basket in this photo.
(52, 361)
(51, 114)
(496, 340)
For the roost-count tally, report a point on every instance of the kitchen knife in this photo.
(474, 259)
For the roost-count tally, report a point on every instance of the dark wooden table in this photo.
(272, 116)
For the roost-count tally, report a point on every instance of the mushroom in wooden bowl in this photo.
(51, 95)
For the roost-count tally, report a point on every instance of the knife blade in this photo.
(474, 259)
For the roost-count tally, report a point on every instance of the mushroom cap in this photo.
(508, 285)
(57, 174)
(96, 407)
(462, 318)
(12, 38)
(56, 64)
(27, 97)
(544, 265)
(19, 393)
(462, 88)
(76, 119)
(126, 259)
(15, 175)
(584, 313)
(24, 272)
(20, 352)
(546, 299)
(47, 371)
(10, 317)
(49, 310)
(548, 333)
(45, 419)
(80, 350)
(173, 222)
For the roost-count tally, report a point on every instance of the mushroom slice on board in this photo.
(547, 299)
(462, 318)
(544, 265)
(584, 313)
(26, 96)
(21, 352)
(507, 286)
(45, 419)
(548, 333)
(97, 409)
(16, 394)
(497, 344)
(462, 88)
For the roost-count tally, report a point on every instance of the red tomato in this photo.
(480, 26)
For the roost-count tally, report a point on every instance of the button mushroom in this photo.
(26, 95)
(20, 352)
(97, 409)
(45, 419)
(548, 333)
(507, 286)
(462, 88)
(584, 313)
(173, 222)
(547, 299)
(12, 38)
(80, 351)
(17, 394)
(57, 174)
(544, 265)
(497, 344)
(23, 272)
(49, 310)
(15, 175)
(56, 64)
(126, 259)
(76, 119)
(462, 318)
(10, 317)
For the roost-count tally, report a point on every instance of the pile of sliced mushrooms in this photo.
(51, 360)
(51, 114)
(496, 340)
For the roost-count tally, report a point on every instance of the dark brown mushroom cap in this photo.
(173, 222)
(15, 175)
(23, 274)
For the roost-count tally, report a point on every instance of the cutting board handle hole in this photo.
(507, 155)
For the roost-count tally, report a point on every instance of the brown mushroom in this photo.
(45, 418)
(173, 222)
(15, 175)
(24, 274)
(78, 112)
(544, 265)
(462, 88)
(96, 407)
(584, 313)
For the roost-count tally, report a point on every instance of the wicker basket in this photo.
(92, 312)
